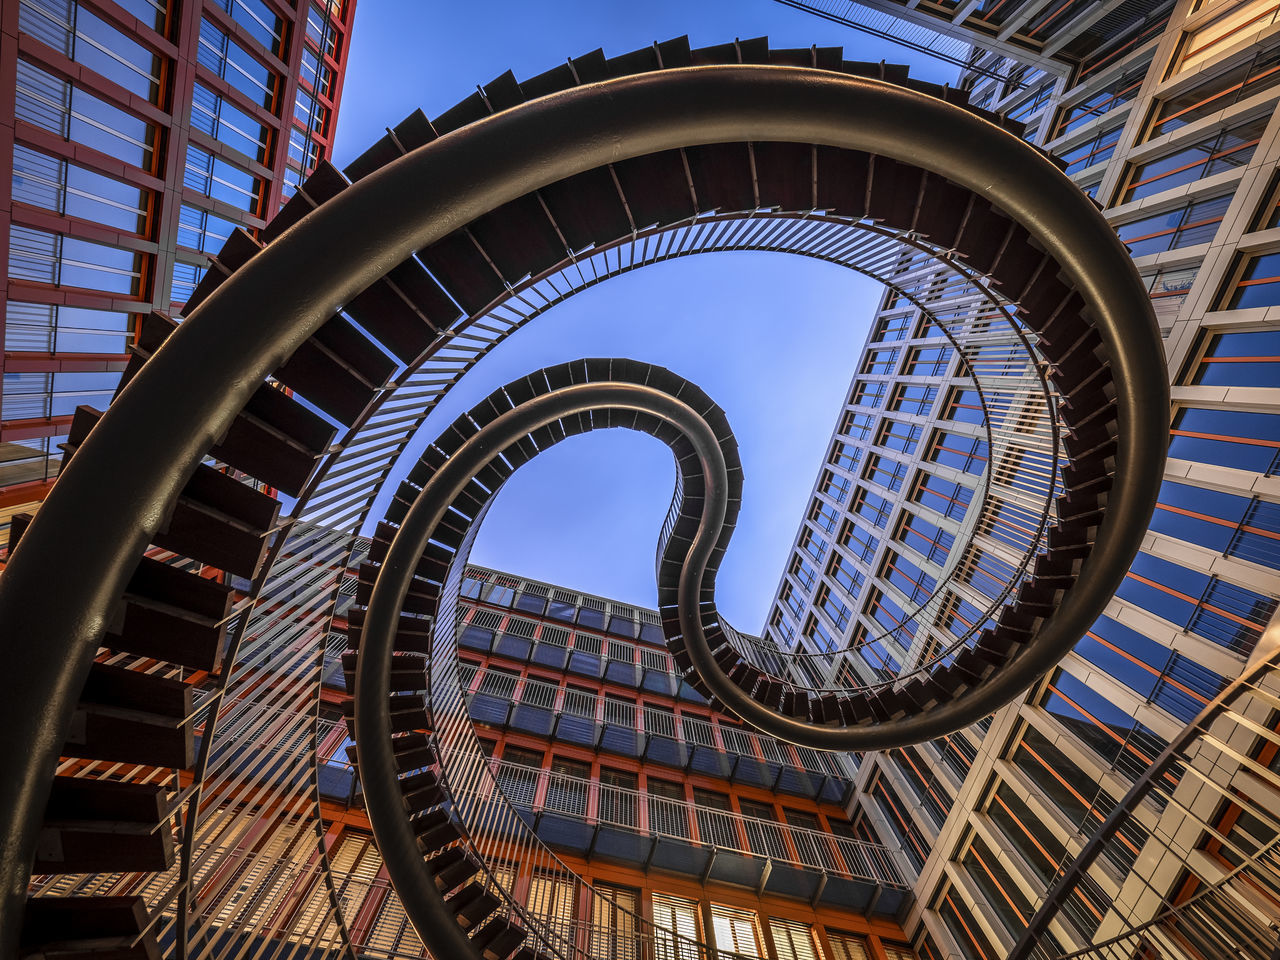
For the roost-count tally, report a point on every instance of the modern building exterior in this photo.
(1166, 115)
(938, 850)
(142, 133)
(662, 803)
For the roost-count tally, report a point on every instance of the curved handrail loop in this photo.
(127, 474)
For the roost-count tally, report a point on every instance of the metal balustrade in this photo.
(654, 816)
(1206, 883)
(692, 730)
(258, 773)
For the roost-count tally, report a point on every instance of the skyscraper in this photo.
(1165, 114)
(142, 134)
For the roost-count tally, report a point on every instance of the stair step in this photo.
(132, 717)
(87, 928)
(93, 826)
(471, 905)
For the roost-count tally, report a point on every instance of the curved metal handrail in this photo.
(206, 371)
(1261, 680)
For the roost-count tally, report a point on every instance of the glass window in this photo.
(1226, 150)
(792, 940)
(201, 230)
(868, 393)
(1238, 19)
(931, 542)
(259, 20)
(843, 572)
(1103, 100)
(803, 572)
(233, 63)
(567, 786)
(676, 928)
(927, 361)
(834, 486)
(890, 616)
(912, 582)
(215, 116)
(845, 456)
(879, 361)
(893, 328)
(959, 451)
(717, 825)
(818, 635)
(94, 43)
(872, 508)
(856, 425)
(899, 436)
(913, 399)
(74, 191)
(944, 497)
(551, 899)
(1096, 149)
(50, 328)
(220, 180)
(964, 406)
(812, 544)
(858, 540)
(50, 258)
(1243, 359)
(615, 924)
(987, 573)
(1257, 283)
(846, 946)
(829, 604)
(901, 825)
(824, 515)
(1193, 222)
(885, 472)
(973, 943)
(58, 106)
(668, 813)
(618, 801)
(1230, 438)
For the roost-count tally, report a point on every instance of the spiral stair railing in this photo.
(410, 277)
(1204, 889)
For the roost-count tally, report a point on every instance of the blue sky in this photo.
(773, 339)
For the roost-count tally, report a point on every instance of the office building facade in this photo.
(142, 134)
(616, 765)
(1168, 119)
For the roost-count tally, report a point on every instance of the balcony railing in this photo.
(542, 791)
(651, 721)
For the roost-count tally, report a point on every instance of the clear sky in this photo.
(773, 339)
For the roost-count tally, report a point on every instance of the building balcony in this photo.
(631, 827)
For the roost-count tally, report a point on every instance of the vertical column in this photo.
(186, 32)
(8, 105)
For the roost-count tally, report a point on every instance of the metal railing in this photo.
(1208, 885)
(542, 790)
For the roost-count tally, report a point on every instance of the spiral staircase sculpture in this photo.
(449, 240)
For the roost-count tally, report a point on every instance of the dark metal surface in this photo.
(383, 801)
(115, 494)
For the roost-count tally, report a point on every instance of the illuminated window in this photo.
(676, 928)
(736, 931)
(1238, 19)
